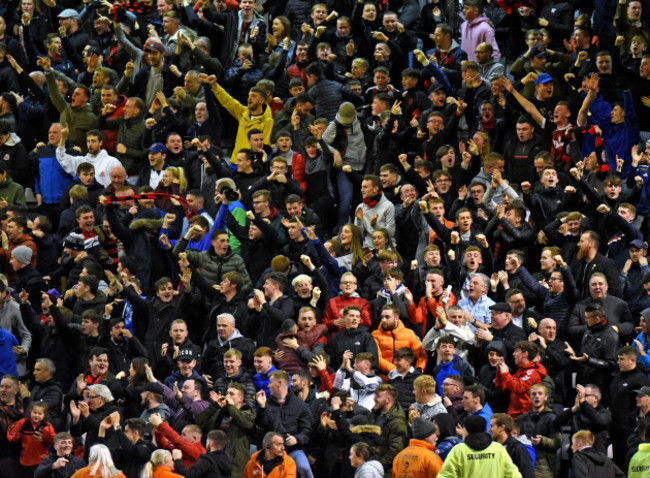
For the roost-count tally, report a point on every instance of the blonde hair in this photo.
(101, 462)
(158, 457)
(179, 174)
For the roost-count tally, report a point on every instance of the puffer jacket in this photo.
(286, 469)
(394, 433)
(348, 140)
(519, 385)
(212, 267)
(542, 423)
(370, 469)
(388, 341)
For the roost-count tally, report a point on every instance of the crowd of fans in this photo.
(352, 238)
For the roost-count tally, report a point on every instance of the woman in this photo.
(172, 182)
(381, 241)
(280, 29)
(160, 465)
(100, 465)
(361, 458)
(40, 23)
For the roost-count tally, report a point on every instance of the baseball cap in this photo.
(543, 78)
(501, 307)
(153, 44)
(538, 51)
(158, 148)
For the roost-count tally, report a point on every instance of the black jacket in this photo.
(51, 394)
(214, 464)
(45, 470)
(520, 456)
(355, 340)
(588, 463)
(596, 420)
(293, 417)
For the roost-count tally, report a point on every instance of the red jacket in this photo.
(419, 314)
(167, 438)
(519, 386)
(32, 450)
(334, 310)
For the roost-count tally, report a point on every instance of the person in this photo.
(61, 457)
(47, 390)
(361, 458)
(160, 465)
(100, 463)
(501, 427)
(586, 461)
(389, 414)
(419, 458)
(474, 402)
(478, 454)
(360, 382)
(215, 460)
(35, 435)
(272, 460)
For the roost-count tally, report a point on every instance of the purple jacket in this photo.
(477, 32)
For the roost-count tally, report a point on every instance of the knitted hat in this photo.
(422, 428)
(22, 254)
(74, 241)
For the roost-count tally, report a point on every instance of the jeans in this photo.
(345, 198)
(302, 464)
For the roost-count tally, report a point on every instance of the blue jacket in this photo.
(645, 360)
(262, 380)
(7, 356)
(457, 366)
(51, 180)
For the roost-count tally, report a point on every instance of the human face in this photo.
(277, 387)
(382, 401)
(225, 328)
(117, 331)
(470, 12)
(598, 287)
(368, 189)
(348, 285)
(294, 209)
(483, 54)
(446, 352)
(585, 243)
(41, 373)
(626, 214)
(343, 27)
(470, 402)
(369, 12)
(63, 447)
(643, 402)
(301, 57)
(538, 397)
(79, 98)
(592, 320)
(476, 194)
(166, 292)
(13, 231)
(307, 321)
(450, 387)
(441, 40)
(436, 282)
(276, 449)
(346, 233)
(500, 319)
(409, 82)
(464, 221)
(303, 289)
(352, 319)
(86, 221)
(388, 320)
(408, 192)
(108, 96)
(520, 357)
(644, 68)
(262, 364)
(231, 365)
(98, 365)
(260, 205)
(548, 330)
(379, 241)
(178, 333)
(382, 49)
(201, 112)
(190, 436)
(94, 145)
(556, 283)
(8, 391)
(432, 258)
(549, 178)
(355, 460)
(167, 178)
(604, 64)
(435, 124)
(518, 304)
(255, 100)
(626, 363)
(220, 244)
(473, 260)
(130, 109)
(174, 144)
(618, 114)
(438, 98)
(524, 132)
(390, 22)
(561, 114)
(437, 209)
(634, 11)
(283, 143)
(546, 261)
(381, 81)
(493, 358)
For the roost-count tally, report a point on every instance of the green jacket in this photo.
(241, 425)
(557, 65)
(394, 436)
(640, 462)
(12, 192)
(79, 120)
(129, 133)
(491, 462)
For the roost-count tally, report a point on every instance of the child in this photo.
(35, 435)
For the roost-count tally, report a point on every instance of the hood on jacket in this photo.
(146, 225)
(596, 457)
(371, 466)
(13, 140)
(446, 424)
(478, 441)
(374, 429)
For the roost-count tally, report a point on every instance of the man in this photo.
(503, 329)
(360, 382)
(11, 410)
(130, 128)
(389, 415)
(488, 67)
(333, 316)
(427, 402)
(598, 348)
(474, 403)
(14, 237)
(285, 413)
(616, 310)
(588, 413)
(501, 426)
(476, 29)
(48, 391)
(185, 399)
(520, 152)
(554, 359)
(133, 451)
(121, 344)
(261, 201)
(477, 303)
(529, 372)
(97, 156)
(152, 402)
(228, 337)
(434, 297)
(393, 335)
(538, 425)
(269, 308)
(449, 363)
(625, 384)
(77, 114)
(403, 376)
(62, 463)
(255, 115)
(26, 277)
(478, 454)
(586, 461)
(376, 211)
(272, 459)
(419, 458)
(327, 94)
(278, 183)
(354, 337)
(215, 460)
(189, 441)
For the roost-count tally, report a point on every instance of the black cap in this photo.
(501, 307)
(435, 87)
(153, 387)
(185, 355)
(638, 243)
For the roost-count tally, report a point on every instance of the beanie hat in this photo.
(475, 424)
(347, 113)
(422, 428)
(22, 254)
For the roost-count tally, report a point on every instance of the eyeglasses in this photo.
(259, 202)
(90, 397)
(556, 278)
(348, 282)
